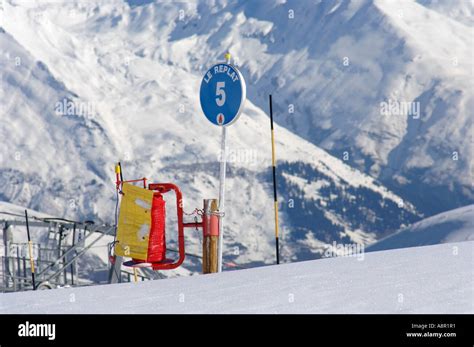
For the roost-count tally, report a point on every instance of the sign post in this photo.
(222, 97)
(222, 169)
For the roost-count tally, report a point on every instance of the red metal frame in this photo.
(164, 188)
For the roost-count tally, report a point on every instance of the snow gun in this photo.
(141, 233)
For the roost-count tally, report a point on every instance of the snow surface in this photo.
(432, 279)
(451, 226)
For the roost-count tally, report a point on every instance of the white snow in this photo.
(451, 226)
(432, 279)
(461, 11)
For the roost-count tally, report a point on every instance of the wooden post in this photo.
(210, 241)
(205, 254)
(214, 263)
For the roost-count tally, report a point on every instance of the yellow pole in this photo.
(30, 251)
(275, 198)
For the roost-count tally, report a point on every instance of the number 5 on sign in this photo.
(220, 93)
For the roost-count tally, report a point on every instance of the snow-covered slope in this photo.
(461, 10)
(90, 83)
(434, 279)
(330, 66)
(452, 226)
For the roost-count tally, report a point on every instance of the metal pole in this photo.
(38, 262)
(60, 240)
(20, 280)
(24, 269)
(120, 168)
(6, 260)
(205, 235)
(222, 187)
(275, 199)
(73, 243)
(222, 195)
(30, 251)
(65, 270)
(13, 274)
(115, 272)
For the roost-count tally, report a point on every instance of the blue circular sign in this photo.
(223, 94)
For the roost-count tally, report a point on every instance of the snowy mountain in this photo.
(385, 85)
(434, 279)
(461, 11)
(88, 84)
(452, 226)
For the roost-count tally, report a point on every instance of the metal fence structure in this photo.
(56, 252)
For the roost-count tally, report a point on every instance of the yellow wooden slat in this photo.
(134, 222)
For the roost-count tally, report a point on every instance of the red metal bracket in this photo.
(164, 188)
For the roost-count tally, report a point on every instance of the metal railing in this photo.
(55, 259)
